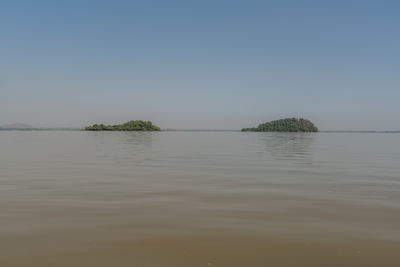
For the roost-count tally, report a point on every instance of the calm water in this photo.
(199, 199)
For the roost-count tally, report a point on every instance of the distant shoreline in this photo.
(193, 130)
(41, 129)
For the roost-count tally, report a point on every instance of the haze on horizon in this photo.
(209, 64)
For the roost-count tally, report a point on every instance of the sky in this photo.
(200, 64)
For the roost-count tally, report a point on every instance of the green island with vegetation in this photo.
(284, 125)
(128, 126)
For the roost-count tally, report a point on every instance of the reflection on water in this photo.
(289, 146)
(194, 198)
(141, 140)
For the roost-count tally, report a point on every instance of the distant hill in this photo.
(18, 126)
(284, 125)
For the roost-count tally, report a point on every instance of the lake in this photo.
(74, 198)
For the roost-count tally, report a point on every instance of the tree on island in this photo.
(128, 126)
(284, 125)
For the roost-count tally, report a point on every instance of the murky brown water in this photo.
(199, 199)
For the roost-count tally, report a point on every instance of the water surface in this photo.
(199, 199)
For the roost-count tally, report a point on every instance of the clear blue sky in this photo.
(201, 64)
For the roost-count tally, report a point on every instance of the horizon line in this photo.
(190, 130)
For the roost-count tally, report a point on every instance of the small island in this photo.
(128, 126)
(285, 125)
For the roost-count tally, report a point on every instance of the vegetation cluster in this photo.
(285, 125)
(128, 126)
